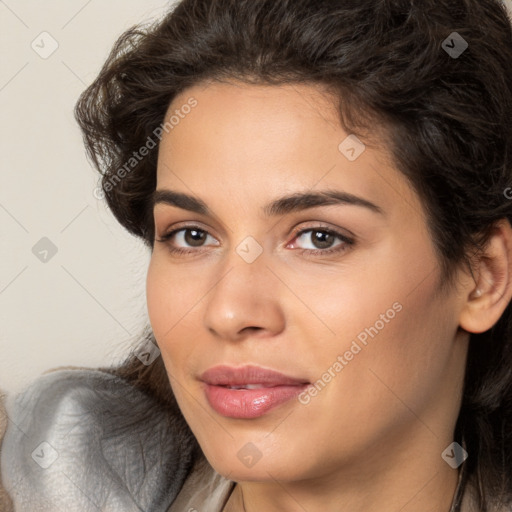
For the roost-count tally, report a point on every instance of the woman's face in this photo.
(307, 255)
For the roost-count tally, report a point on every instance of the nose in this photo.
(245, 302)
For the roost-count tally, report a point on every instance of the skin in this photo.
(372, 438)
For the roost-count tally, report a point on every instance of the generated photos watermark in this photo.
(356, 347)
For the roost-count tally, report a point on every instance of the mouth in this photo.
(247, 386)
(248, 392)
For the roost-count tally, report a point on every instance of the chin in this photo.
(247, 462)
(261, 472)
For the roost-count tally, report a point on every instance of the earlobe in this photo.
(489, 294)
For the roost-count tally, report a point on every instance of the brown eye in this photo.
(184, 240)
(322, 239)
(194, 237)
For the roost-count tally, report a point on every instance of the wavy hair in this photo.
(446, 119)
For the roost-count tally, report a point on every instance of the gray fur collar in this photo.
(86, 440)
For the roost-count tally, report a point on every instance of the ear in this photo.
(487, 296)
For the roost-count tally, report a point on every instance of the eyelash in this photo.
(347, 242)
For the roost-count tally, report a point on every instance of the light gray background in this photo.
(86, 304)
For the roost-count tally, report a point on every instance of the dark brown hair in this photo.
(446, 119)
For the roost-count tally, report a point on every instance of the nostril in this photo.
(252, 329)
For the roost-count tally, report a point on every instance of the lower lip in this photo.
(249, 403)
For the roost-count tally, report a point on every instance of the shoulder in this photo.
(88, 440)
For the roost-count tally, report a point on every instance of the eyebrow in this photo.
(282, 206)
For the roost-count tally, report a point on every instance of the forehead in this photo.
(272, 139)
(234, 94)
(237, 126)
(236, 118)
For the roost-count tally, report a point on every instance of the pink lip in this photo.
(276, 389)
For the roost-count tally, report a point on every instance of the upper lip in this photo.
(247, 375)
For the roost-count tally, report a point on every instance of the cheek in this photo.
(403, 361)
(171, 294)
(157, 298)
(373, 391)
(391, 329)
